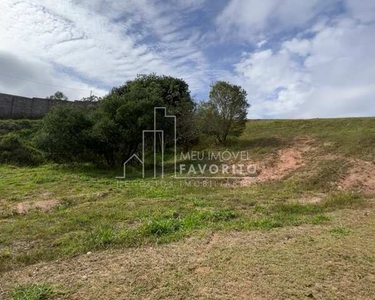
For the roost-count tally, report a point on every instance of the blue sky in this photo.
(296, 59)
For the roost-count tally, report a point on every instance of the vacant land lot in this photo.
(302, 229)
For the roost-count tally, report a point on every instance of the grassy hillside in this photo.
(315, 174)
(354, 137)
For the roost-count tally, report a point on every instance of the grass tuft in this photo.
(340, 231)
(32, 292)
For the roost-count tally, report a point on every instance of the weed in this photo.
(100, 238)
(65, 203)
(340, 231)
(162, 227)
(41, 291)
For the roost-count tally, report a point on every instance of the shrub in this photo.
(15, 151)
(65, 134)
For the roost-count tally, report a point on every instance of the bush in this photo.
(26, 127)
(15, 151)
(65, 134)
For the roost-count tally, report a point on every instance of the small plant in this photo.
(340, 231)
(65, 204)
(32, 292)
(102, 238)
(217, 216)
(5, 253)
(163, 227)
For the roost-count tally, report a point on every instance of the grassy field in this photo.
(76, 232)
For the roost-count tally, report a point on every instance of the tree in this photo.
(65, 134)
(119, 123)
(92, 98)
(129, 109)
(114, 130)
(58, 96)
(172, 93)
(225, 113)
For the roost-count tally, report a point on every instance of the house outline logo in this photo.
(161, 134)
(155, 131)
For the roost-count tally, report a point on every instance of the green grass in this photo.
(96, 211)
(32, 292)
(340, 231)
(353, 137)
(23, 128)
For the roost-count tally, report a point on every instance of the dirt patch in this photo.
(311, 199)
(44, 205)
(360, 177)
(287, 160)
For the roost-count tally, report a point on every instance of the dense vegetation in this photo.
(113, 132)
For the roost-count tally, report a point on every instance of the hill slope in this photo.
(294, 231)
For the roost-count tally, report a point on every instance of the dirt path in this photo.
(308, 262)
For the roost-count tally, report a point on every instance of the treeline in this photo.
(113, 132)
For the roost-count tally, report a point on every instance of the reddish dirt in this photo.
(361, 177)
(288, 160)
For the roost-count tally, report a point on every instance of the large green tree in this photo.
(129, 109)
(225, 113)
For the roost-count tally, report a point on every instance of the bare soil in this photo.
(287, 160)
(361, 177)
(43, 205)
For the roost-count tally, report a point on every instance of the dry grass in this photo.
(287, 263)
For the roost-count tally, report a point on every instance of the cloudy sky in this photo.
(296, 59)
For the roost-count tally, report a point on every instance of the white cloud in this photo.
(300, 47)
(274, 81)
(253, 19)
(103, 44)
(363, 10)
(306, 58)
(333, 74)
(35, 78)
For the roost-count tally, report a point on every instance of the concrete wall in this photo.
(16, 107)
